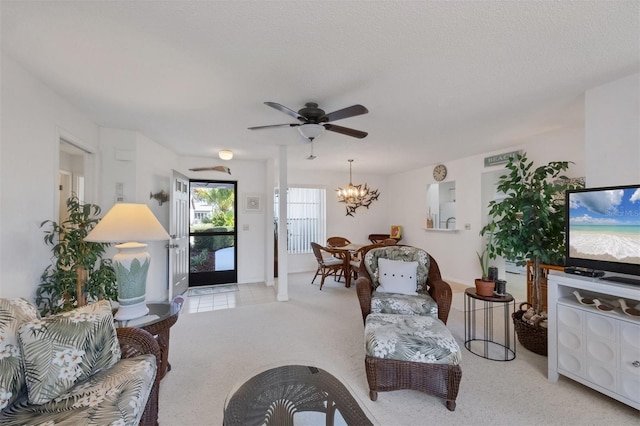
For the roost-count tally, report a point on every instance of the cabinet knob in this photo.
(636, 363)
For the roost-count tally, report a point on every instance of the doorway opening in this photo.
(213, 257)
(71, 176)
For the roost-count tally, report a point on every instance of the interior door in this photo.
(179, 231)
(212, 233)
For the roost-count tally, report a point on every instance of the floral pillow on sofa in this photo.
(62, 349)
(13, 312)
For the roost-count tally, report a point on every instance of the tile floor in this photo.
(247, 294)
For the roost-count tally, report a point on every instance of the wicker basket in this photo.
(532, 337)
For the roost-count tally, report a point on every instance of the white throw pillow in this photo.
(397, 276)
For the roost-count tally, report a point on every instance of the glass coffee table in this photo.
(293, 394)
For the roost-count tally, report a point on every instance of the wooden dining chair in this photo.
(336, 266)
(356, 258)
(337, 241)
(378, 238)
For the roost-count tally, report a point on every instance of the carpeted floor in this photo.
(212, 353)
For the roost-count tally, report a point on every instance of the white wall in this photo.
(153, 174)
(612, 133)
(455, 252)
(33, 117)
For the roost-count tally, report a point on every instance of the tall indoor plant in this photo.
(78, 272)
(529, 222)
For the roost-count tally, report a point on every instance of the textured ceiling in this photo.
(442, 80)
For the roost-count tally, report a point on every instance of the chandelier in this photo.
(355, 196)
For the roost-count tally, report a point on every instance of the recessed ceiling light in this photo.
(225, 154)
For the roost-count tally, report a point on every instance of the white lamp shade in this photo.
(128, 222)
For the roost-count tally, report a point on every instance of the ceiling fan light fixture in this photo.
(311, 131)
(225, 154)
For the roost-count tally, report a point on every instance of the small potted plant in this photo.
(485, 285)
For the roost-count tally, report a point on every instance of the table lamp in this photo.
(129, 224)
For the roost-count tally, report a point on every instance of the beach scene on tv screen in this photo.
(605, 225)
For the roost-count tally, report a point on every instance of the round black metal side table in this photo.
(496, 345)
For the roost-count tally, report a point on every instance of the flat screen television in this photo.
(603, 230)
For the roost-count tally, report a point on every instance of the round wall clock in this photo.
(439, 172)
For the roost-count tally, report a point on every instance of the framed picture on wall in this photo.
(396, 232)
(253, 203)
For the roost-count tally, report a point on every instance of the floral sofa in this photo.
(405, 306)
(74, 368)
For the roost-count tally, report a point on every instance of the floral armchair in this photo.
(405, 306)
(431, 296)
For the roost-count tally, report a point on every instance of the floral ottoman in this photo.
(411, 352)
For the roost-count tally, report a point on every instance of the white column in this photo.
(268, 217)
(283, 285)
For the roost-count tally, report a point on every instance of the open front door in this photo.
(179, 231)
(212, 238)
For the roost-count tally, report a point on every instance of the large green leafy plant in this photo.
(529, 222)
(78, 272)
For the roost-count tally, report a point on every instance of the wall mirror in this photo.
(441, 206)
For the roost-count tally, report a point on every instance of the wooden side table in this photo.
(489, 345)
(158, 322)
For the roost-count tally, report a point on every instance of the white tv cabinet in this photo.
(598, 349)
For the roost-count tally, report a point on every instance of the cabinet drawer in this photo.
(629, 380)
(571, 343)
(601, 348)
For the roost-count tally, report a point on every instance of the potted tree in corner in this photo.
(78, 272)
(529, 224)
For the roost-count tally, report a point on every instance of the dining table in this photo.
(348, 251)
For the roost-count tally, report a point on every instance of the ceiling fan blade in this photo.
(274, 125)
(345, 131)
(351, 111)
(286, 110)
(222, 169)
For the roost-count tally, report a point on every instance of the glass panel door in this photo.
(212, 233)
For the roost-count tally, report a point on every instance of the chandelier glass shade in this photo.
(355, 196)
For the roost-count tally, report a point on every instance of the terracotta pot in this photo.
(484, 288)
